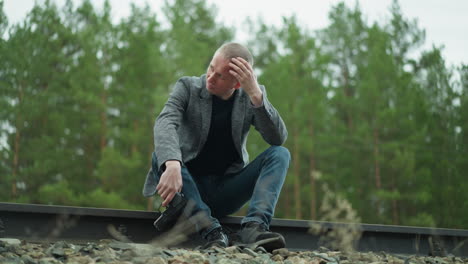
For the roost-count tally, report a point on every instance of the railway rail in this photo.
(44, 222)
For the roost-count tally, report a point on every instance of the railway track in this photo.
(43, 222)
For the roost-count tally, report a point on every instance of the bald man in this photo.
(200, 151)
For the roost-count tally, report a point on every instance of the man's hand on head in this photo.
(170, 182)
(243, 72)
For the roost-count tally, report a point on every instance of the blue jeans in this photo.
(216, 196)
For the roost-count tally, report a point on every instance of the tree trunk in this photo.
(378, 183)
(395, 215)
(135, 129)
(149, 205)
(348, 94)
(103, 141)
(313, 201)
(297, 188)
(14, 191)
(287, 202)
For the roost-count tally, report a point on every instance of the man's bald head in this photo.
(232, 50)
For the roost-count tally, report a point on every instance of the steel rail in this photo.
(46, 222)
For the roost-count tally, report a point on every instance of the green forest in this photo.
(372, 116)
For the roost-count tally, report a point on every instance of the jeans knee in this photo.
(281, 153)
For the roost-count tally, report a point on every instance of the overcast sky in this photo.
(445, 21)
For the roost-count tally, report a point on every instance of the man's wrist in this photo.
(172, 163)
(257, 98)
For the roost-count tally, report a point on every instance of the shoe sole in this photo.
(270, 244)
(214, 244)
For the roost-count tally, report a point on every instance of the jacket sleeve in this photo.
(268, 122)
(166, 138)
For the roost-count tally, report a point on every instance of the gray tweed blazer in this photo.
(182, 127)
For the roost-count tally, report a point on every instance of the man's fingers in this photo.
(168, 199)
(236, 72)
(160, 189)
(238, 64)
(244, 64)
(165, 193)
(236, 75)
(168, 192)
(235, 67)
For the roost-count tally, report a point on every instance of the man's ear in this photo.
(237, 85)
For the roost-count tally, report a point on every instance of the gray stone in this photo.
(169, 253)
(106, 255)
(249, 252)
(261, 250)
(157, 260)
(370, 257)
(146, 250)
(28, 259)
(393, 259)
(88, 248)
(281, 251)
(227, 261)
(119, 245)
(195, 257)
(37, 254)
(11, 241)
(57, 252)
(177, 260)
(212, 259)
(61, 249)
(140, 260)
(14, 249)
(80, 260)
(277, 257)
(232, 250)
(49, 261)
(128, 255)
(9, 255)
(15, 260)
(435, 260)
(218, 250)
(296, 260)
(242, 256)
(413, 260)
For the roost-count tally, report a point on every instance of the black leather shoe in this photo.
(258, 234)
(216, 237)
(169, 217)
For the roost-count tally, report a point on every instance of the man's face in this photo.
(218, 79)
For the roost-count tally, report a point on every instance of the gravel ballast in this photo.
(112, 251)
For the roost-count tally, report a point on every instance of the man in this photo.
(200, 149)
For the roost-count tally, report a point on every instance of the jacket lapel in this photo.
(205, 111)
(237, 119)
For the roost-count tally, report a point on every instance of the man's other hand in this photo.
(170, 181)
(245, 75)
